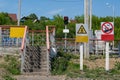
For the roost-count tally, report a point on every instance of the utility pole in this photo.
(90, 14)
(19, 12)
(18, 17)
(18, 24)
(86, 21)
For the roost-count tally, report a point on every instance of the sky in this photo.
(70, 8)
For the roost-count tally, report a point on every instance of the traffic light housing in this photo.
(66, 20)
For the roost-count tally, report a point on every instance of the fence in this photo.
(71, 46)
(38, 37)
(9, 44)
(96, 46)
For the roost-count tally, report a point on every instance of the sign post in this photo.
(107, 35)
(107, 57)
(81, 37)
(66, 30)
(81, 56)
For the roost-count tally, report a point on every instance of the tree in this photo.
(59, 23)
(43, 18)
(5, 19)
(79, 19)
(43, 22)
(32, 16)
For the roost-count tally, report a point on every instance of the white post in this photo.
(32, 38)
(75, 47)
(90, 14)
(96, 47)
(107, 57)
(81, 56)
(22, 61)
(18, 21)
(65, 39)
(1, 39)
(48, 47)
(86, 21)
(19, 12)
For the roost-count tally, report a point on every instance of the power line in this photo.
(67, 0)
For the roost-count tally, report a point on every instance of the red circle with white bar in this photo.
(107, 28)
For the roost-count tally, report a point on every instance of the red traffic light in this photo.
(65, 20)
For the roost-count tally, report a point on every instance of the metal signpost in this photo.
(107, 35)
(82, 37)
(66, 30)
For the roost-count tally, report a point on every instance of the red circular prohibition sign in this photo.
(107, 27)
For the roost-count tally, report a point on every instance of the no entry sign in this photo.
(107, 31)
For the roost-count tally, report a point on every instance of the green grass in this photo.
(11, 66)
(63, 65)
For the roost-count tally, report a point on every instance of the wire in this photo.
(67, 0)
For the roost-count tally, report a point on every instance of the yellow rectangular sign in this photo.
(17, 32)
(81, 39)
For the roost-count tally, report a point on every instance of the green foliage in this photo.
(43, 18)
(59, 23)
(8, 77)
(59, 64)
(79, 19)
(5, 19)
(12, 65)
(32, 16)
(117, 65)
(63, 64)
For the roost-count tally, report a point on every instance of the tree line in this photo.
(39, 23)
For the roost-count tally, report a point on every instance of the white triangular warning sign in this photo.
(81, 30)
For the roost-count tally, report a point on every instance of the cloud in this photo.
(55, 11)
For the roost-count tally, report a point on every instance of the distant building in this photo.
(13, 17)
(73, 21)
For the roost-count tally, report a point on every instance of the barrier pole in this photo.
(81, 56)
(107, 57)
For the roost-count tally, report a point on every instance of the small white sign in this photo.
(65, 30)
(98, 34)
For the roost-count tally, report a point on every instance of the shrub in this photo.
(12, 64)
(117, 65)
(59, 63)
(8, 77)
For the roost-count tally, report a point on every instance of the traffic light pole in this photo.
(65, 39)
(65, 30)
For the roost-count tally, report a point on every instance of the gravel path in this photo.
(37, 77)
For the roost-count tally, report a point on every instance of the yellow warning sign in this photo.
(81, 30)
(81, 33)
(16, 32)
(81, 39)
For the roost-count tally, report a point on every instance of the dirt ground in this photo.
(90, 63)
(98, 62)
